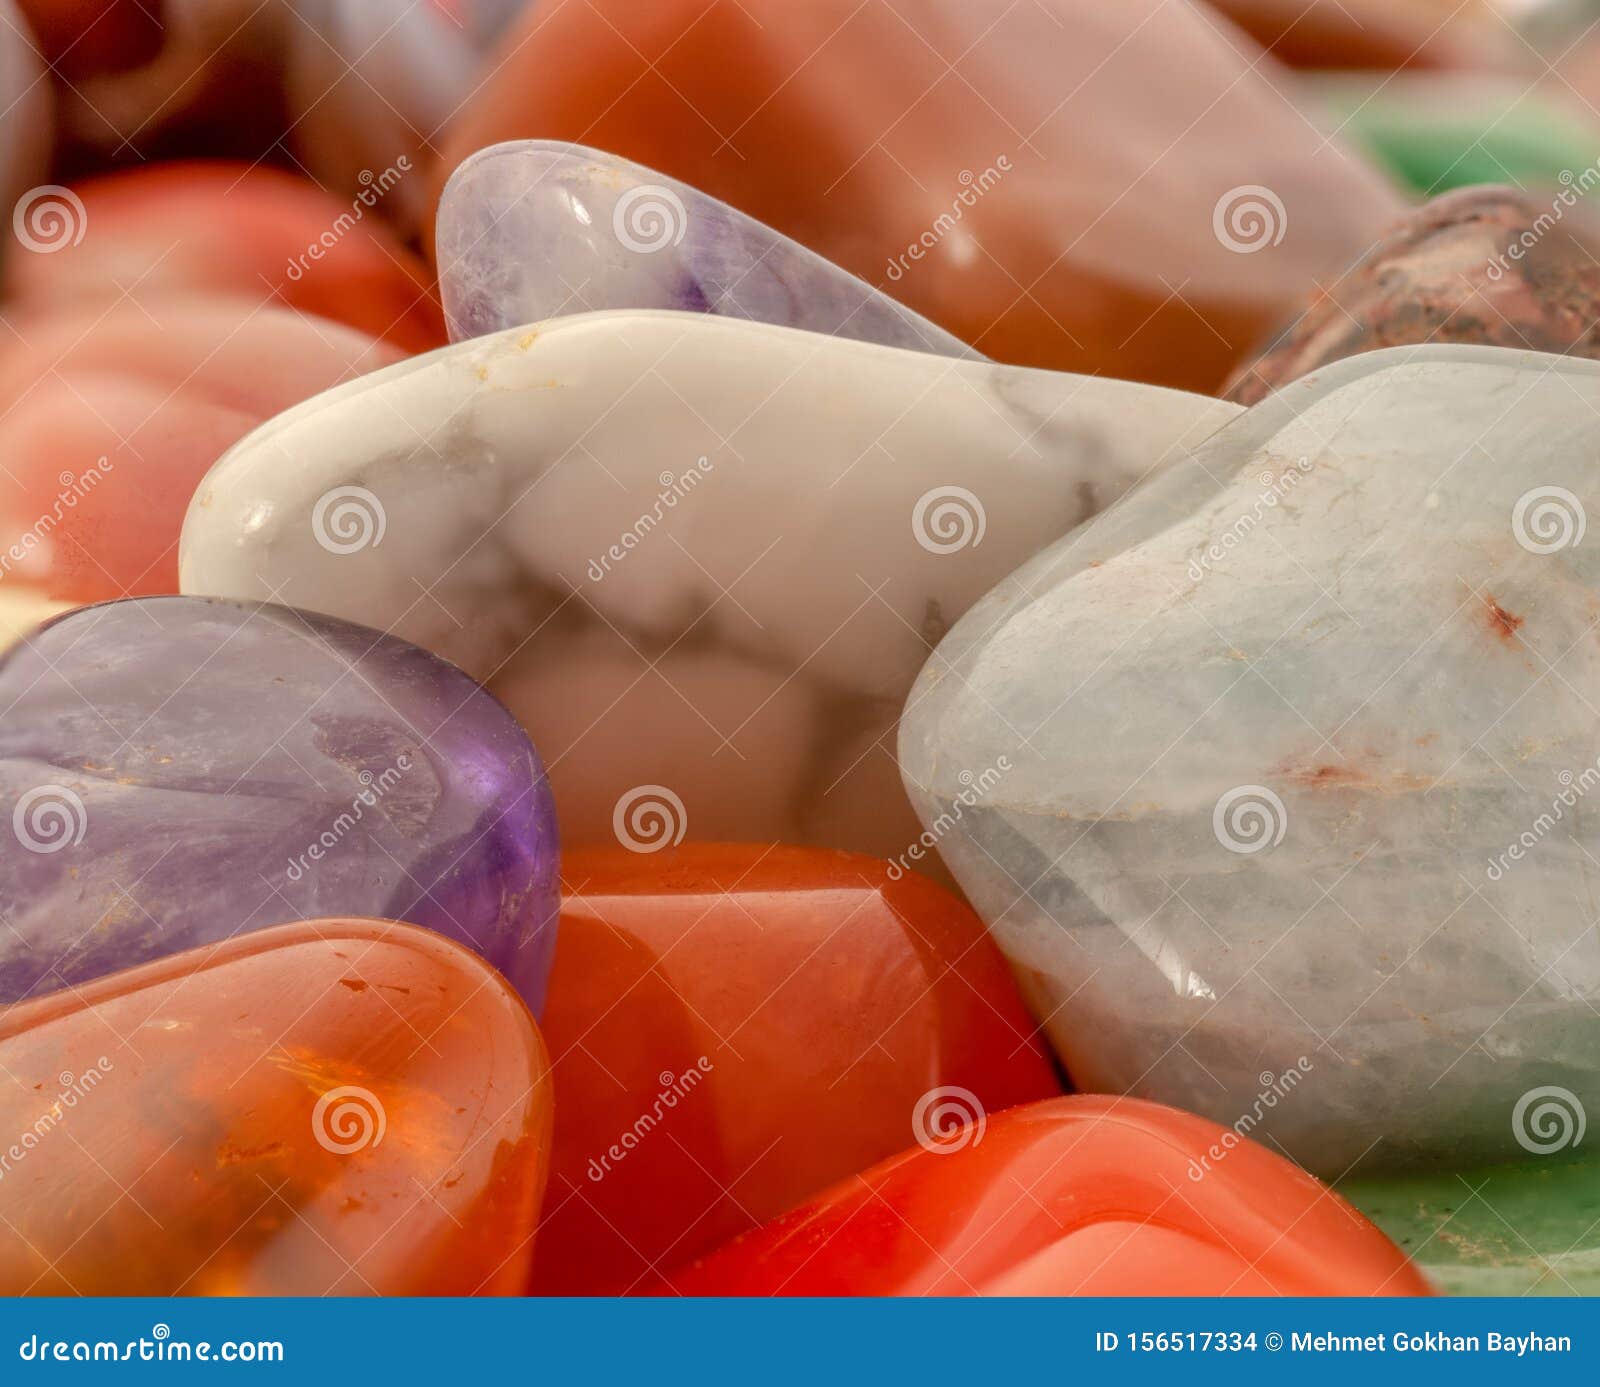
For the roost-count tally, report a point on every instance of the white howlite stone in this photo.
(689, 552)
(1301, 826)
(535, 229)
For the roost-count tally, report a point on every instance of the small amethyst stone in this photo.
(177, 770)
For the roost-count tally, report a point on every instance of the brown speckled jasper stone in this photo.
(1486, 265)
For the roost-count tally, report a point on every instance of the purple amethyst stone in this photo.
(178, 770)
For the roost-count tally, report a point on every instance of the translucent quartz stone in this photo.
(1486, 265)
(109, 416)
(672, 564)
(224, 229)
(176, 770)
(736, 1028)
(1072, 1196)
(534, 229)
(1128, 189)
(338, 1107)
(1300, 742)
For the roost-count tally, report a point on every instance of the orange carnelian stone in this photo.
(1045, 180)
(344, 1106)
(110, 416)
(1073, 1196)
(736, 1027)
(237, 230)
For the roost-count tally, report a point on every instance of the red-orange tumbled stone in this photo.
(235, 230)
(339, 1106)
(110, 416)
(733, 1028)
(1073, 1196)
(1124, 188)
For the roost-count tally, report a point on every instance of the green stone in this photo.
(1510, 1230)
(1435, 132)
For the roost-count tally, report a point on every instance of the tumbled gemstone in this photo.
(176, 770)
(110, 416)
(674, 567)
(345, 1107)
(1126, 188)
(1483, 265)
(734, 1028)
(226, 230)
(1301, 742)
(1530, 1227)
(1372, 35)
(22, 609)
(1071, 1196)
(534, 229)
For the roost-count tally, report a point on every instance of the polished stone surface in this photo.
(1301, 741)
(1128, 189)
(234, 231)
(175, 771)
(534, 229)
(735, 1028)
(688, 552)
(1485, 265)
(110, 415)
(1072, 1196)
(343, 1107)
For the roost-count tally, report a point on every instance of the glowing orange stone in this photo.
(232, 230)
(736, 1027)
(1073, 1196)
(339, 1106)
(1044, 180)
